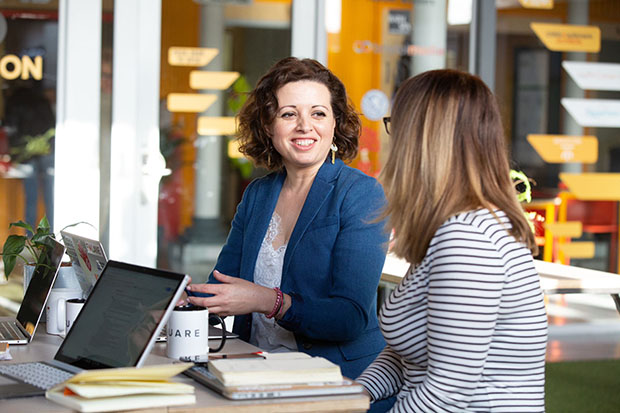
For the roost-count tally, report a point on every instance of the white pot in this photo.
(66, 276)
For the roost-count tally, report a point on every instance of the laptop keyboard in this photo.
(9, 331)
(39, 375)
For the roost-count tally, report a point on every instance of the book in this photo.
(124, 389)
(202, 375)
(275, 370)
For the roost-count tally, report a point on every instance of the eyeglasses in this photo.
(386, 122)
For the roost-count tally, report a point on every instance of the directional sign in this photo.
(216, 126)
(212, 80)
(594, 75)
(537, 4)
(593, 186)
(189, 102)
(191, 56)
(602, 113)
(565, 148)
(568, 37)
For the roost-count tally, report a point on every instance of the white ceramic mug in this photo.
(53, 301)
(188, 333)
(68, 310)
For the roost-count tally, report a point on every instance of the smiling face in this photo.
(303, 129)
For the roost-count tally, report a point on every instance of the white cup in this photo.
(68, 310)
(188, 333)
(53, 301)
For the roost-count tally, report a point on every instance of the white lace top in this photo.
(266, 333)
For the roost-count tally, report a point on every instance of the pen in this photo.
(258, 354)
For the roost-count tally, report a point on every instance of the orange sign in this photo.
(565, 148)
(568, 37)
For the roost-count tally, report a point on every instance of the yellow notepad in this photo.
(123, 389)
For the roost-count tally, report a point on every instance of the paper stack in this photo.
(124, 389)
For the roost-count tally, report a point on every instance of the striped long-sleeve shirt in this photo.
(467, 329)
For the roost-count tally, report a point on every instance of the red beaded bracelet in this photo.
(278, 304)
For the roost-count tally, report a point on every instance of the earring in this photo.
(334, 149)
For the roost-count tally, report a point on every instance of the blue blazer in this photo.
(332, 263)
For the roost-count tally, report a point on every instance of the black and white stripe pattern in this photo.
(466, 329)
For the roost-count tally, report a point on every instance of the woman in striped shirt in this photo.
(466, 328)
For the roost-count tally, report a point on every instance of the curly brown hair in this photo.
(259, 111)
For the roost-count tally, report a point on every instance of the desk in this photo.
(44, 347)
(554, 278)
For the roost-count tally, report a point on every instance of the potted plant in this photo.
(35, 242)
(29, 248)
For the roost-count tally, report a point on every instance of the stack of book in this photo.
(124, 389)
(276, 375)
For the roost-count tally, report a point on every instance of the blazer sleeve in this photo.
(356, 263)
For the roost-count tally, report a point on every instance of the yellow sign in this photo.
(216, 126)
(571, 229)
(565, 148)
(537, 4)
(568, 37)
(212, 80)
(12, 67)
(189, 102)
(579, 249)
(593, 186)
(191, 56)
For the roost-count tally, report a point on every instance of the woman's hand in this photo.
(233, 296)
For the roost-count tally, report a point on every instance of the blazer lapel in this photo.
(319, 191)
(258, 222)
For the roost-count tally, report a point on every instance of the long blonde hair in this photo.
(447, 156)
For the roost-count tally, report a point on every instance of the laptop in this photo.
(117, 327)
(88, 258)
(21, 329)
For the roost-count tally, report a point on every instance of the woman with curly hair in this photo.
(304, 255)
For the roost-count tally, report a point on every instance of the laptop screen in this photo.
(119, 321)
(39, 287)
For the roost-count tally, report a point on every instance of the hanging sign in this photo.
(564, 148)
(602, 113)
(536, 4)
(594, 75)
(568, 37)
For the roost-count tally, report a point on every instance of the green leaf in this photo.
(14, 245)
(22, 224)
(44, 225)
(9, 264)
